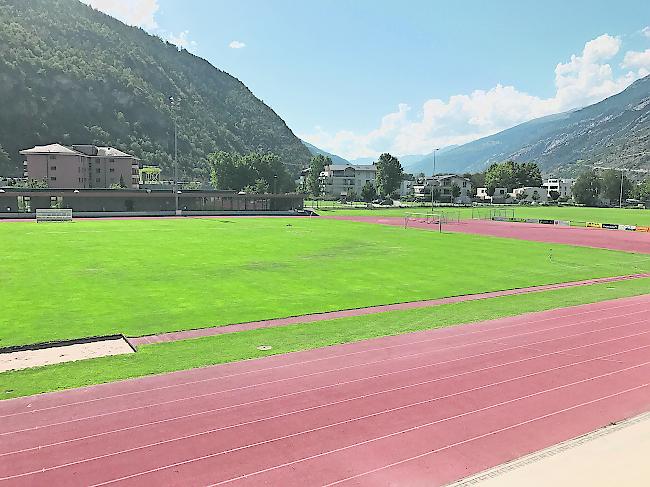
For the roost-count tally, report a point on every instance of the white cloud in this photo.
(646, 31)
(586, 78)
(637, 60)
(236, 45)
(132, 12)
(181, 40)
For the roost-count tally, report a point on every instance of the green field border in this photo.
(201, 352)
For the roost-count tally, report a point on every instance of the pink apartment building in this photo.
(81, 166)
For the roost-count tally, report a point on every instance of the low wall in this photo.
(145, 214)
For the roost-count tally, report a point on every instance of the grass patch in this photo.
(167, 357)
(139, 277)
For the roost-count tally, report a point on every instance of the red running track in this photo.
(586, 237)
(423, 408)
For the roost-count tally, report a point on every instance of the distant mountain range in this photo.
(614, 132)
(315, 151)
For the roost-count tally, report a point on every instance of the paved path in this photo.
(585, 237)
(614, 455)
(311, 318)
(420, 409)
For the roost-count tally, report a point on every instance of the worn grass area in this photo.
(167, 357)
(139, 277)
(625, 216)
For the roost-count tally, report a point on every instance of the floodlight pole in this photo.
(620, 195)
(432, 176)
(175, 185)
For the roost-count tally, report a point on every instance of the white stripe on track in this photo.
(375, 414)
(490, 433)
(330, 357)
(338, 384)
(413, 428)
(380, 361)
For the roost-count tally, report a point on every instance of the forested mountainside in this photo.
(73, 75)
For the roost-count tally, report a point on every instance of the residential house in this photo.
(562, 186)
(531, 194)
(342, 179)
(81, 166)
(444, 185)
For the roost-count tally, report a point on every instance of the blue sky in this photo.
(363, 77)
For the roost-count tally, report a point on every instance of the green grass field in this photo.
(138, 277)
(167, 357)
(625, 216)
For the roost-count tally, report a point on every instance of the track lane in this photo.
(453, 353)
(401, 389)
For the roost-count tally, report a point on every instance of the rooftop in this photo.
(62, 149)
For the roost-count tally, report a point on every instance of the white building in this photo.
(531, 194)
(445, 186)
(500, 195)
(562, 186)
(341, 179)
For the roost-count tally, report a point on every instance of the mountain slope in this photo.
(71, 74)
(613, 132)
(315, 151)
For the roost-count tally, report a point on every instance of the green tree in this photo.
(586, 188)
(229, 170)
(642, 190)
(527, 174)
(368, 192)
(316, 166)
(500, 176)
(389, 174)
(5, 161)
(554, 195)
(511, 175)
(261, 186)
(611, 185)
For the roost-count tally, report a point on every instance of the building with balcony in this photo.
(443, 187)
(342, 179)
(562, 186)
(81, 166)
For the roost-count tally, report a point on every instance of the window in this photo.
(98, 170)
(79, 179)
(52, 157)
(52, 168)
(56, 201)
(111, 160)
(464, 184)
(98, 180)
(24, 203)
(112, 169)
(52, 178)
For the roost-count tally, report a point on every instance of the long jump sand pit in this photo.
(57, 353)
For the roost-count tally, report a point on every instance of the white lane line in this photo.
(339, 384)
(330, 357)
(413, 428)
(380, 361)
(490, 433)
(375, 414)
